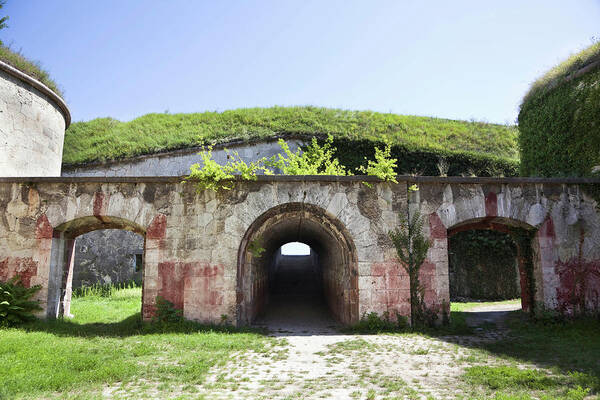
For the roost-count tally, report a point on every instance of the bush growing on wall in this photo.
(559, 121)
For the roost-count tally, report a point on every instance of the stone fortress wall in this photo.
(177, 163)
(108, 256)
(197, 255)
(33, 120)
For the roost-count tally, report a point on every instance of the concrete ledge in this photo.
(60, 103)
(314, 178)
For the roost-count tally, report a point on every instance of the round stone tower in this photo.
(33, 120)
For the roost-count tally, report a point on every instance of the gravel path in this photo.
(315, 361)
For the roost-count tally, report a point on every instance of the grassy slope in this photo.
(573, 63)
(31, 68)
(108, 139)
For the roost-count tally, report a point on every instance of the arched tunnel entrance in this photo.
(63, 254)
(270, 279)
(520, 235)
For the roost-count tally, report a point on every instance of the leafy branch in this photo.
(315, 159)
(412, 246)
(384, 166)
(214, 176)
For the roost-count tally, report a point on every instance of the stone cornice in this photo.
(314, 178)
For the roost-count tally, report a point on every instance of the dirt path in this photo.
(315, 361)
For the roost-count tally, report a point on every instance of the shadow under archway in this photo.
(326, 236)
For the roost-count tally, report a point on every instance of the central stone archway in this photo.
(309, 224)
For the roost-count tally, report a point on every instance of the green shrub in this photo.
(424, 161)
(16, 305)
(166, 312)
(374, 323)
(384, 167)
(214, 176)
(314, 159)
(411, 248)
(559, 119)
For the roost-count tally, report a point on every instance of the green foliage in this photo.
(106, 344)
(373, 323)
(530, 380)
(210, 174)
(384, 167)
(28, 67)
(255, 247)
(108, 139)
(559, 120)
(214, 176)
(16, 305)
(424, 161)
(166, 312)
(315, 159)
(504, 377)
(483, 265)
(563, 70)
(411, 247)
(104, 289)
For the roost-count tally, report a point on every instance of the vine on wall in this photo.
(579, 290)
(558, 123)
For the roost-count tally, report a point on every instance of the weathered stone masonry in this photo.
(196, 244)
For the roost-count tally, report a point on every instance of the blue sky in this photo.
(452, 59)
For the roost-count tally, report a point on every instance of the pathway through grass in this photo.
(106, 352)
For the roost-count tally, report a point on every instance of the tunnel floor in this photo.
(296, 304)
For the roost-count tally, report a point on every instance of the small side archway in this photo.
(522, 235)
(323, 233)
(62, 256)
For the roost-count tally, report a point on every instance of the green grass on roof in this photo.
(106, 139)
(28, 67)
(572, 64)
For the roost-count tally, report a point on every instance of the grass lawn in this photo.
(107, 345)
(466, 306)
(566, 356)
(105, 351)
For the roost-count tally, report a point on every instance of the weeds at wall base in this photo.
(373, 323)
